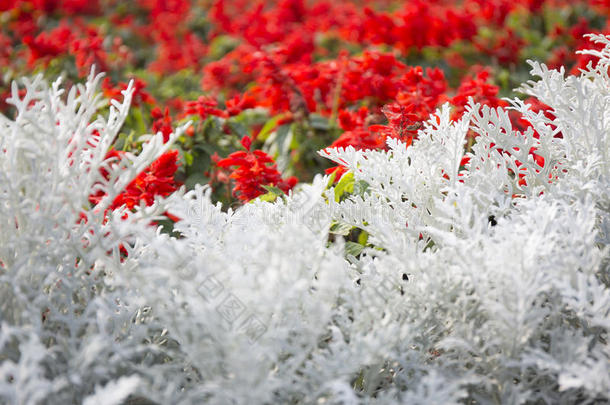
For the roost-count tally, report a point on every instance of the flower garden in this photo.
(304, 202)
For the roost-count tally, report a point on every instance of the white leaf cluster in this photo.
(482, 283)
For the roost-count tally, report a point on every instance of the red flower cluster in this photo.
(323, 70)
(155, 180)
(479, 90)
(162, 122)
(140, 96)
(419, 97)
(84, 42)
(203, 107)
(573, 39)
(418, 24)
(403, 125)
(253, 169)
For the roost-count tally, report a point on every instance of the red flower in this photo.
(239, 103)
(203, 106)
(479, 89)
(89, 50)
(48, 45)
(350, 120)
(155, 180)
(505, 47)
(162, 122)
(339, 171)
(421, 94)
(252, 170)
(360, 139)
(140, 96)
(402, 123)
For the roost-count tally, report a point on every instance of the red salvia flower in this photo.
(350, 120)
(155, 180)
(162, 122)
(240, 103)
(89, 50)
(140, 96)
(480, 90)
(253, 169)
(48, 45)
(360, 139)
(203, 106)
(402, 123)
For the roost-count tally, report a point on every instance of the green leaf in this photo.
(353, 248)
(340, 228)
(319, 122)
(272, 194)
(282, 141)
(345, 185)
(363, 238)
(195, 178)
(207, 148)
(359, 383)
(201, 163)
(331, 180)
(188, 158)
(360, 187)
(269, 126)
(280, 137)
(138, 118)
(269, 197)
(127, 141)
(274, 190)
(237, 127)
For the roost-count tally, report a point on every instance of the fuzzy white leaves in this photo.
(65, 328)
(484, 278)
(512, 298)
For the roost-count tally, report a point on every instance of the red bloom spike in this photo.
(162, 123)
(204, 107)
(155, 180)
(246, 142)
(251, 171)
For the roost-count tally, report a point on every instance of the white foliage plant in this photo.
(485, 283)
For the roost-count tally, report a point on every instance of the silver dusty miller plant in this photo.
(486, 284)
